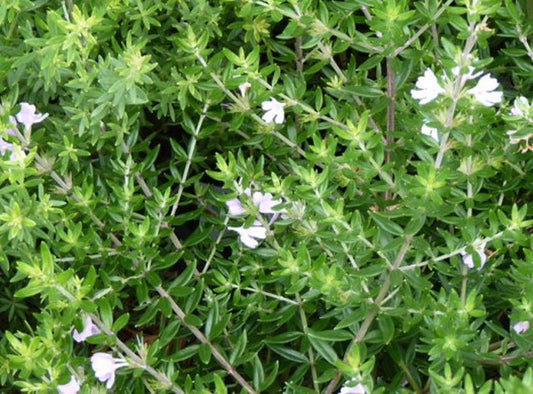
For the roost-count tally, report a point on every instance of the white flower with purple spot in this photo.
(89, 330)
(468, 259)
(521, 327)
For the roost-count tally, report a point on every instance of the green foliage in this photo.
(386, 256)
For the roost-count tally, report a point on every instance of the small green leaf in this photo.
(324, 349)
(386, 224)
(331, 335)
(204, 353)
(121, 322)
(220, 387)
(289, 354)
(240, 346)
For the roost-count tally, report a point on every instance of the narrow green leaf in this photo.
(240, 346)
(121, 322)
(324, 349)
(331, 335)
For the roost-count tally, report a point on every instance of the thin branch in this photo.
(374, 312)
(122, 346)
(202, 338)
(506, 359)
(299, 54)
(422, 29)
(265, 293)
(523, 39)
(311, 354)
(214, 247)
(391, 121)
(459, 84)
(190, 153)
(477, 242)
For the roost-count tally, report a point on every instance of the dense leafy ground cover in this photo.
(266, 196)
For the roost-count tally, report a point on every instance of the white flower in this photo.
(235, 207)
(519, 102)
(243, 87)
(428, 86)
(484, 91)
(250, 235)
(274, 111)
(12, 129)
(469, 75)
(89, 330)
(28, 116)
(265, 202)
(72, 387)
(17, 155)
(430, 132)
(468, 259)
(521, 327)
(5, 146)
(105, 365)
(520, 105)
(359, 389)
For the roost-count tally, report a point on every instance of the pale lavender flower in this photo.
(485, 93)
(89, 330)
(359, 389)
(468, 259)
(519, 102)
(428, 88)
(243, 87)
(430, 132)
(17, 154)
(72, 387)
(274, 111)
(235, 207)
(28, 116)
(521, 327)
(105, 365)
(6, 146)
(265, 203)
(250, 235)
(521, 108)
(12, 129)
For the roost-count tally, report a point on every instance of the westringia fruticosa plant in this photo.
(266, 196)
